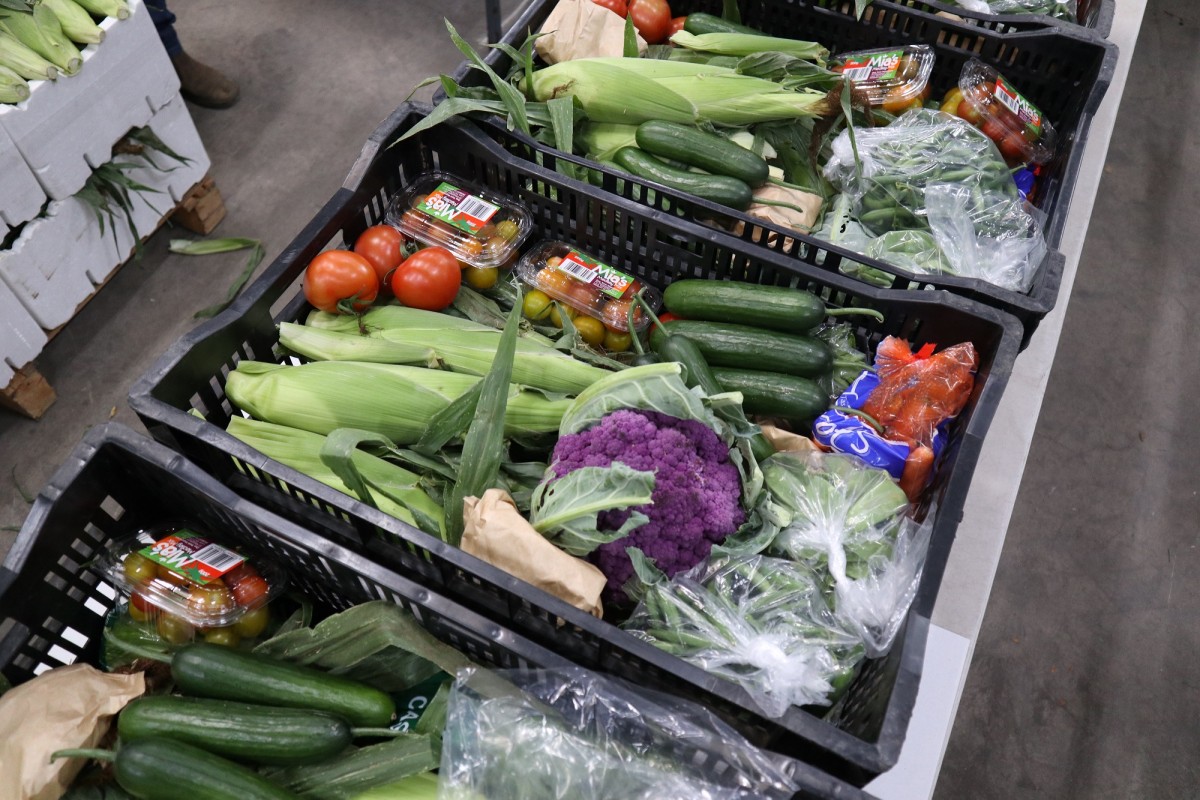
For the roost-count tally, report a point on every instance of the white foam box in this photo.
(21, 197)
(59, 261)
(68, 126)
(21, 338)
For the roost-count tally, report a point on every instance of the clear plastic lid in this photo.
(892, 77)
(589, 286)
(480, 228)
(184, 572)
(1017, 126)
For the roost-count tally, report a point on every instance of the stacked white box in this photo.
(59, 260)
(21, 339)
(67, 127)
(21, 197)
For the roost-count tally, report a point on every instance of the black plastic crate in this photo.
(1065, 72)
(1094, 17)
(858, 739)
(52, 607)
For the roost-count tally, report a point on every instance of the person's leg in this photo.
(199, 83)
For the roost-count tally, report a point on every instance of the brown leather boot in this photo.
(204, 85)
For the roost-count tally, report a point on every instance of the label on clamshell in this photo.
(1014, 101)
(198, 559)
(611, 281)
(872, 67)
(458, 207)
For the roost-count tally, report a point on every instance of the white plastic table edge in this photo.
(971, 569)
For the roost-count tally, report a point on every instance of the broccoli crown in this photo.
(697, 491)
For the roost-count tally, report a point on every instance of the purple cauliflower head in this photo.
(697, 491)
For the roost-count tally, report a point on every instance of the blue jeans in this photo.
(164, 21)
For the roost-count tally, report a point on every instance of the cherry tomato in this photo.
(970, 111)
(652, 18)
(340, 275)
(480, 277)
(249, 591)
(226, 637)
(383, 246)
(590, 329)
(253, 622)
(210, 601)
(172, 577)
(556, 315)
(676, 26)
(139, 608)
(536, 305)
(616, 314)
(174, 629)
(616, 341)
(897, 101)
(239, 573)
(994, 130)
(618, 7)
(1012, 147)
(138, 569)
(668, 317)
(430, 279)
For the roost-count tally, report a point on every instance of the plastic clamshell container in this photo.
(1007, 114)
(181, 571)
(480, 228)
(587, 284)
(892, 75)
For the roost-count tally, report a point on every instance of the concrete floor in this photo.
(1083, 683)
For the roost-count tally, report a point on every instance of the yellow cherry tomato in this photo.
(227, 636)
(536, 305)
(480, 278)
(174, 629)
(554, 313)
(590, 329)
(616, 341)
(252, 623)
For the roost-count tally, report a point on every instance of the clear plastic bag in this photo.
(760, 622)
(986, 235)
(1061, 9)
(570, 733)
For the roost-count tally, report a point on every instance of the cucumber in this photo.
(241, 731)
(207, 670)
(773, 394)
(708, 151)
(775, 307)
(165, 769)
(744, 347)
(720, 189)
(709, 23)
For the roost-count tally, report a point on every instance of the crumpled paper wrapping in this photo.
(495, 531)
(786, 441)
(68, 707)
(582, 29)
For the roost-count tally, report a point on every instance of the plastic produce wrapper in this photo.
(1062, 9)
(68, 707)
(757, 621)
(582, 29)
(496, 532)
(570, 733)
(985, 234)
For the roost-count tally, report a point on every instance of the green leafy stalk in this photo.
(211, 246)
(513, 99)
(630, 49)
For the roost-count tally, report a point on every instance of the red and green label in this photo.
(1014, 101)
(198, 559)
(582, 267)
(458, 207)
(872, 67)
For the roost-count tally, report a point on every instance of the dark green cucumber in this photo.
(207, 670)
(775, 307)
(166, 769)
(744, 347)
(709, 23)
(773, 394)
(708, 151)
(241, 731)
(720, 189)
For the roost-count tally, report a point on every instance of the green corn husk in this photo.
(744, 44)
(76, 22)
(13, 88)
(408, 339)
(106, 8)
(42, 33)
(22, 60)
(601, 140)
(394, 489)
(348, 775)
(394, 401)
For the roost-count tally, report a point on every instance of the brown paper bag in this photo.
(495, 531)
(68, 707)
(786, 441)
(582, 29)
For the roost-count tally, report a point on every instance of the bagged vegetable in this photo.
(570, 733)
(760, 622)
(1061, 9)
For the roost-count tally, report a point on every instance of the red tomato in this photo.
(383, 246)
(994, 130)
(970, 111)
(429, 279)
(1012, 147)
(249, 590)
(652, 18)
(668, 317)
(339, 275)
(618, 7)
(676, 26)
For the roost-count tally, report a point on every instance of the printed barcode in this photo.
(217, 557)
(479, 209)
(577, 270)
(856, 74)
(1007, 99)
